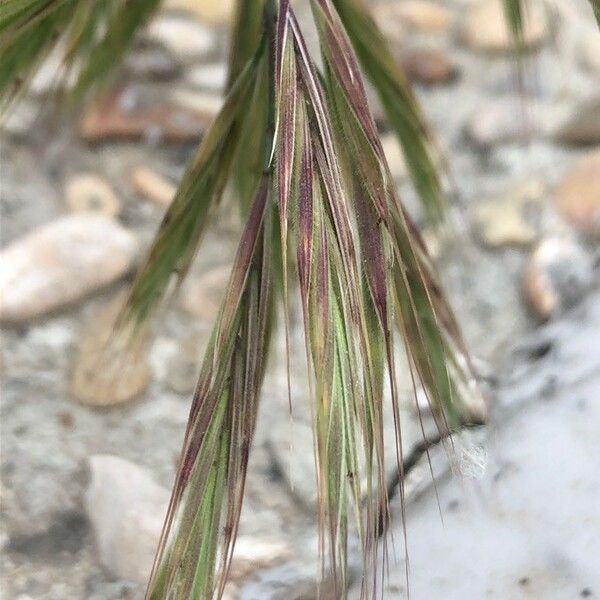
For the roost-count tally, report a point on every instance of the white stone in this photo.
(185, 38)
(126, 508)
(62, 262)
(211, 77)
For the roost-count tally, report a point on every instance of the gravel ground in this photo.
(544, 413)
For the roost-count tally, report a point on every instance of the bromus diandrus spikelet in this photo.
(327, 205)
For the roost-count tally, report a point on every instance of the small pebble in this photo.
(502, 121)
(153, 186)
(582, 127)
(485, 27)
(424, 16)
(556, 276)
(501, 223)
(429, 67)
(578, 196)
(91, 193)
(152, 61)
(202, 297)
(20, 118)
(183, 37)
(211, 12)
(211, 77)
(204, 103)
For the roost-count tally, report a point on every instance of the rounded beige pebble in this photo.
(153, 186)
(108, 369)
(90, 193)
(486, 28)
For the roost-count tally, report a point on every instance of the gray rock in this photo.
(62, 262)
(127, 507)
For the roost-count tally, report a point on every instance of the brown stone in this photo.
(116, 116)
(578, 196)
(582, 127)
(429, 67)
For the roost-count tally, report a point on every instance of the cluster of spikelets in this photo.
(301, 147)
(325, 207)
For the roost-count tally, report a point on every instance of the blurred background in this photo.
(89, 448)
